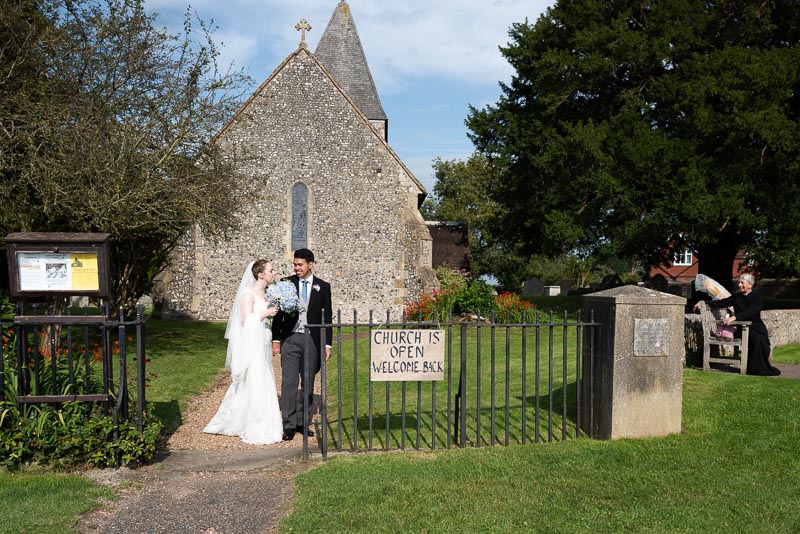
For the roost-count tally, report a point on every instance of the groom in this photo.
(295, 346)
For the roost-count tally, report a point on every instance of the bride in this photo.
(250, 408)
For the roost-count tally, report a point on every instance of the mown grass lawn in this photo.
(787, 354)
(502, 404)
(734, 468)
(42, 502)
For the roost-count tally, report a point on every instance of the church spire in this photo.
(339, 50)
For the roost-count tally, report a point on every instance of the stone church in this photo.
(315, 135)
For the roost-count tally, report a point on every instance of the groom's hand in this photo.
(276, 347)
(327, 353)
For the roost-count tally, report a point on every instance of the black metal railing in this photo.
(504, 382)
(49, 358)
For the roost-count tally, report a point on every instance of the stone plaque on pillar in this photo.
(632, 384)
(651, 337)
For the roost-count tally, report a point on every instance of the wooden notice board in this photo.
(75, 264)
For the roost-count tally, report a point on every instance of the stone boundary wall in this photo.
(783, 289)
(783, 327)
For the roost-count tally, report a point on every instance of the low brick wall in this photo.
(783, 327)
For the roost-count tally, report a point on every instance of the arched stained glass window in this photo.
(299, 216)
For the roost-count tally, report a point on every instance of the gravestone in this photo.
(610, 280)
(659, 283)
(533, 287)
(632, 384)
(566, 286)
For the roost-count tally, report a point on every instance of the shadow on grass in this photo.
(539, 418)
(170, 415)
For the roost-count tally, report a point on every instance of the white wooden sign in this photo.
(407, 355)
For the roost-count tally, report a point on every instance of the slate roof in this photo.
(339, 50)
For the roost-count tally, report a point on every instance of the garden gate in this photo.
(501, 382)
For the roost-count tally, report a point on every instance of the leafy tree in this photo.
(106, 122)
(461, 194)
(635, 129)
(552, 270)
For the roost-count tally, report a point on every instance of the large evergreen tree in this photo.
(106, 121)
(634, 125)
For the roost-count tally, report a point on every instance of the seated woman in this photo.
(747, 307)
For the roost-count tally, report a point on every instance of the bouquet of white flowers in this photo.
(712, 287)
(284, 296)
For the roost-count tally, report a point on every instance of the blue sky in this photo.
(429, 60)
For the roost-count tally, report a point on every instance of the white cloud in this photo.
(458, 40)
(235, 49)
(412, 39)
(428, 59)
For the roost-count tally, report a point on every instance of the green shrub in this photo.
(6, 307)
(432, 304)
(476, 297)
(68, 380)
(74, 434)
(450, 280)
(458, 294)
(550, 270)
(441, 302)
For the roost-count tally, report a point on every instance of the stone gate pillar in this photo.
(634, 386)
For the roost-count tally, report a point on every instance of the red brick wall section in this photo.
(450, 244)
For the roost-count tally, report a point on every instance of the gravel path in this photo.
(201, 409)
(203, 482)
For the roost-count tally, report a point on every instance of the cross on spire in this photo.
(303, 26)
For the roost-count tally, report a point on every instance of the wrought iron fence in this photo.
(49, 359)
(504, 383)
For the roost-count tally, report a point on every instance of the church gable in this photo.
(329, 181)
(300, 132)
(298, 85)
(301, 119)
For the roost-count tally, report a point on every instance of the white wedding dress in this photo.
(250, 408)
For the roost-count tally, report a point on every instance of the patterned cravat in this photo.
(305, 291)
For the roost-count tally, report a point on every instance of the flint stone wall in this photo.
(369, 239)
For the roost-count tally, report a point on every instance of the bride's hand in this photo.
(272, 311)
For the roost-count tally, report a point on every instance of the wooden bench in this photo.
(711, 318)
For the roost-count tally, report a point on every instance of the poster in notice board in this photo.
(46, 271)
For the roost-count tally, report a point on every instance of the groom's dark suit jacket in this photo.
(319, 301)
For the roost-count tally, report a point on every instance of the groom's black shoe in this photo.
(299, 430)
(288, 434)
